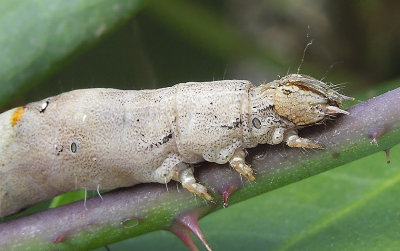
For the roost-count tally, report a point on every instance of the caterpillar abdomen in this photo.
(111, 138)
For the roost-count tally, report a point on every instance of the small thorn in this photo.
(226, 191)
(60, 239)
(387, 151)
(189, 220)
(184, 235)
(375, 133)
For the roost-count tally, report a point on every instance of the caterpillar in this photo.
(110, 138)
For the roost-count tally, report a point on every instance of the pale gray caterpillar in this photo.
(111, 138)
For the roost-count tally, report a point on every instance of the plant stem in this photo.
(372, 126)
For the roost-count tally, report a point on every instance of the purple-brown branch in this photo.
(147, 207)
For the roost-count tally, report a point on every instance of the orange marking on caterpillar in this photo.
(17, 115)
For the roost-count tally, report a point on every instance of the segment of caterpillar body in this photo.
(113, 138)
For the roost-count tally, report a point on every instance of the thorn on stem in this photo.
(184, 235)
(60, 239)
(375, 133)
(183, 223)
(226, 191)
(387, 151)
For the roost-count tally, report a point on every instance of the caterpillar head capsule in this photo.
(304, 100)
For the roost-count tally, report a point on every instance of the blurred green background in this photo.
(48, 47)
(167, 42)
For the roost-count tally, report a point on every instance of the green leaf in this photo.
(38, 36)
(67, 198)
(352, 207)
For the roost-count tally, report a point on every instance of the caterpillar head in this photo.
(304, 100)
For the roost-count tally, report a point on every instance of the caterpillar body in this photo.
(112, 138)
